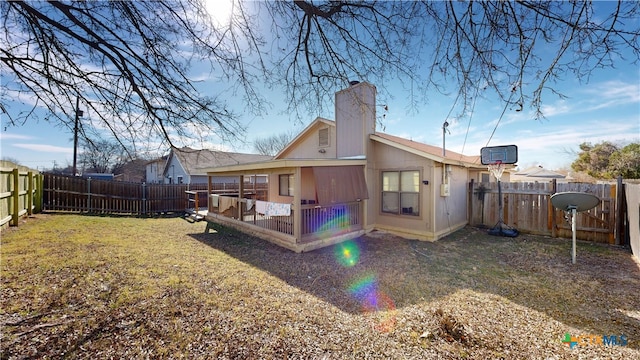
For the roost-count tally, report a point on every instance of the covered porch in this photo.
(308, 204)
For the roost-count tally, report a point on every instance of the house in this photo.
(340, 179)
(98, 176)
(132, 171)
(155, 171)
(186, 165)
(537, 174)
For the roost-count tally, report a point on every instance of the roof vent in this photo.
(354, 82)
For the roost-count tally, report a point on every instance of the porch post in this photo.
(297, 196)
(209, 192)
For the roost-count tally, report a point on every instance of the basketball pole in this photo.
(500, 218)
(574, 213)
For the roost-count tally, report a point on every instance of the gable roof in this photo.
(159, 160)
(427, 151)
(537, 172)
(313, 125)
(195, 161)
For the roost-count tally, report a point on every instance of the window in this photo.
(485, 178)
(323, 137)
(401, 192)
(180, 180)
(286, 184)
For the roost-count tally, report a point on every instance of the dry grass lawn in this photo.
(109, 287)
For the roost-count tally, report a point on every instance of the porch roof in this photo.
(241, 169)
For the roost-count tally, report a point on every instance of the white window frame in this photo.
(399, 209)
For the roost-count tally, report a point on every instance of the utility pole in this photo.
(75, 136)
(444, 129)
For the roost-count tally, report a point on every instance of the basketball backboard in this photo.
(506, 154)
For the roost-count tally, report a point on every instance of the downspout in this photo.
(433, 205)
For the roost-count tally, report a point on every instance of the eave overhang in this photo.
(264, 166)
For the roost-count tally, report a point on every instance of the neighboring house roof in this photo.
(161, 161)
(195, 161)
(536, 173)
(133, 171)
(428, 151)
(158, 160)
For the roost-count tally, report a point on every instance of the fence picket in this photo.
(527, 207)
(19, 192)
(74, 194)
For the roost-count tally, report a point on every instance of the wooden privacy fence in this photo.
(527, 207)
(20, 192)
(75, 194)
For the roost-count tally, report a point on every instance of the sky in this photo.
(607, 108)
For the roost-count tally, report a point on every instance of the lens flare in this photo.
(385, 311)
(347, 253)
(336, 223)
(374, 302)
(364, 289)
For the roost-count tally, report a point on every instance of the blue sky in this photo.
(605, 108)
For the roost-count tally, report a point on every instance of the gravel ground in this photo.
(100, 287)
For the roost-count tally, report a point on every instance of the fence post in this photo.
(39, 178)
(144, 198)
(16, 196)
(620, 210)
(29, 200)
(551, 210)
(88, 194)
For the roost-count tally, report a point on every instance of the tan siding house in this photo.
(340, 179)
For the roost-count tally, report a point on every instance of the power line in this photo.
(473, 107)
(500, 119)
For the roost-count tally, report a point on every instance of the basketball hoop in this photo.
(495, 157)
(496, 168)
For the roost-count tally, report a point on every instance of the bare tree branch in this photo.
(127, 63)
(132, 63)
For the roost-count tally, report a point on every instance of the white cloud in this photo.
(6, 136)
(45, 148)
(559, 108)
(611, 94)
(616, 90)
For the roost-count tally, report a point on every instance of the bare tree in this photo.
(101, 156)
(517, 50)
(272, 145)
(130, 61)
(127, 61)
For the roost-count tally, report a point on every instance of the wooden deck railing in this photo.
(330, 218)
(314, 219)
